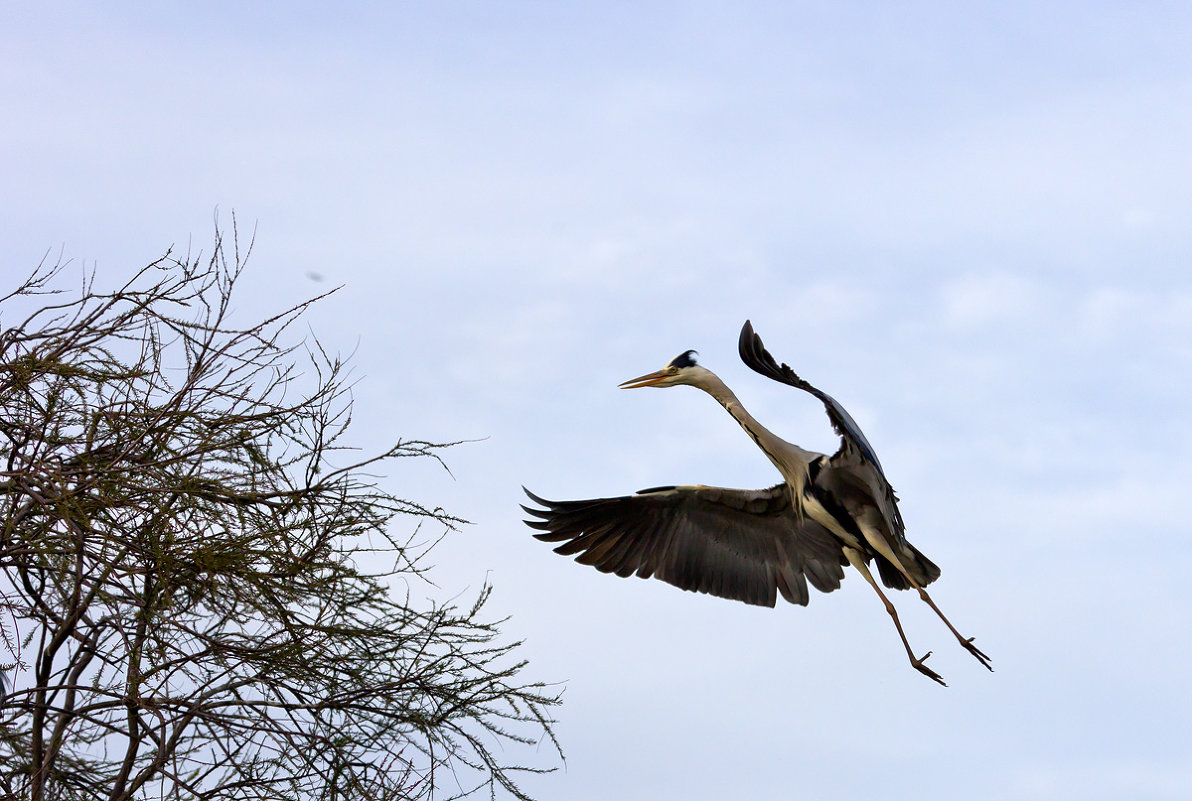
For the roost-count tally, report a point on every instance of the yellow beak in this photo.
(648, 380)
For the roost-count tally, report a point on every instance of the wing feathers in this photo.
(745, 545)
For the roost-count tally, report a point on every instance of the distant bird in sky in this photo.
(751, 545)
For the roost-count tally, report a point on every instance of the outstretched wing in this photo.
(755, 355)
(746, 545)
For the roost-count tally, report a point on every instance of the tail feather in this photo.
(921, 569)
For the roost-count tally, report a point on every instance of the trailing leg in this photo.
(855, 559)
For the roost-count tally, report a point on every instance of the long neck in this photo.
(791, 460)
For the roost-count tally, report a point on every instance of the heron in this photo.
(828, 512)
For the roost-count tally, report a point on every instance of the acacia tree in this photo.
(186, 606)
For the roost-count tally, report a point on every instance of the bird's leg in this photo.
(855, 559)
(967, 642)
(882, 547)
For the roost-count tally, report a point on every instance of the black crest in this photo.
(684, 359)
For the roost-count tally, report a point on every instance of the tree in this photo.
(189, 602)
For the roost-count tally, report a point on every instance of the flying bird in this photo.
(752, 545)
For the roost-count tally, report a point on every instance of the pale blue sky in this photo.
(971, 223)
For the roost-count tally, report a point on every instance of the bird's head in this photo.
(681, 370)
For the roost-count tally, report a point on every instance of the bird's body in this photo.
(752, 545)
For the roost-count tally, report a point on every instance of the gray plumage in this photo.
(745, 545)
(753, 545)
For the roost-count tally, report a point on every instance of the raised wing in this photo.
(745, 545)
(755, 355)
(858, 479)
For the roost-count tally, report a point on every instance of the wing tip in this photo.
(535, 498)
(745, 343)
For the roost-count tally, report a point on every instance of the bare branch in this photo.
(184, 603)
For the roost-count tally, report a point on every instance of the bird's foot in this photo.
(918, 665)
(975, 651)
